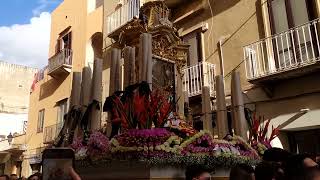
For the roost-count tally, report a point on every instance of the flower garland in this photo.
(161, 147)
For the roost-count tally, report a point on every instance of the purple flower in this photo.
(98, 144)
(77, 144)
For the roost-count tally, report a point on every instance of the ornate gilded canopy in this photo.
(154, 19)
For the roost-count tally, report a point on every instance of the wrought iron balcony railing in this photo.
(196, 76)
(293, 49)
(51, 133)
(123, 15)
(60, 62)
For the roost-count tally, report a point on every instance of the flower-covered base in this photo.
(160, 147)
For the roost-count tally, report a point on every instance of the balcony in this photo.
(123, 15)
(34, 155)
(196, 76)
(60, 63)
(286, 55)
(51, 133)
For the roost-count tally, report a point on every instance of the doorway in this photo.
(305, 141)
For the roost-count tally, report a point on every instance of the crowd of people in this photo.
(277, 164)
(36, 176)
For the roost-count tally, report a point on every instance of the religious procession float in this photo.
(149, 140)
(149, 137)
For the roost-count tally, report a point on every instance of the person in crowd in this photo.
(269, 171)
(4, 177)
(242, 172)
(197, 173)
(36, 176)
(13, 177)
(73, 174)
(298, 165)
(276, 155)
(313, 173)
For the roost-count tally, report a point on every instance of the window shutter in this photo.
(70, 40)
(58, 45)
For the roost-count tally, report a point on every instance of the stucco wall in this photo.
(15, 84)
(236, 22)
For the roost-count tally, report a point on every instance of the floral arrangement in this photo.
(179, 126)
(139, 107)
(170, 148)
(159, 146)
(97, 146)
(258, 138)
(153, 133)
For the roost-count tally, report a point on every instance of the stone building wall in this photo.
(15, 84)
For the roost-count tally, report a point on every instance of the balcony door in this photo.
(194, 70)
(64, 41)
(292, 46)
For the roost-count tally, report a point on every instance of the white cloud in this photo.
(43, 5)
(27, 44)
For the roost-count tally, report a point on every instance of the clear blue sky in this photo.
(20, 11)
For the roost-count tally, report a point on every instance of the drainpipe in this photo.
(222, 40)
(221, 57)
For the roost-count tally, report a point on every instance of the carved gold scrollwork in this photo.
(162, 47)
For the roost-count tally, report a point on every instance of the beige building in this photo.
(75, 41)
(15, 84)
(274, 44)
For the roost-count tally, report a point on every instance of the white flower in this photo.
(158, 148)
(82, 153)
(151, 148)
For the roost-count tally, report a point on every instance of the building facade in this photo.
(15, 83)
(272, 43)
(75, 41)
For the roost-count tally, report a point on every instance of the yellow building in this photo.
(75, 41)
(274, 44)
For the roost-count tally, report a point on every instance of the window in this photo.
(62, 110)
(194, 40)
(40, 121)
(64, 41)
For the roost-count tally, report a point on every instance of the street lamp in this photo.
(10, 138)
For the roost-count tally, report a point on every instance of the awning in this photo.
(283, 120)
(308, 121)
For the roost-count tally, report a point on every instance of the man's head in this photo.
(4, 177)
(276, 155)
(197, 173)
(242, 172)
(269, 171)
(298, 164)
